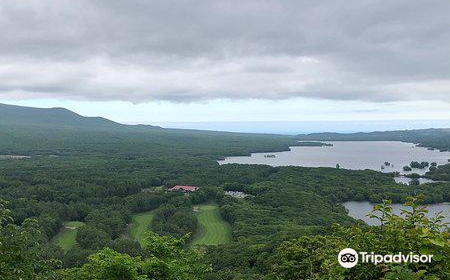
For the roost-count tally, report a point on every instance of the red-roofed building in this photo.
(184, 188)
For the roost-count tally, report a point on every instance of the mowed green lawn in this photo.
(67, 237)
(213, 229)
(140, 223)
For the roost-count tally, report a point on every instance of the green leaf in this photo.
(439, 243)
(437, 257)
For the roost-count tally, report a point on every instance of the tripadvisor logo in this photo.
(348, 258)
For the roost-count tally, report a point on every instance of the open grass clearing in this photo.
(66, 238)
(213, 229)
(140, 223)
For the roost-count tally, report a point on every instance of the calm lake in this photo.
(356, 155)
(359, 210)
(350, 155)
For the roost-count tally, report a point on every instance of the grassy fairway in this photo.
(66, 238)
(140, 224)
(214, 230)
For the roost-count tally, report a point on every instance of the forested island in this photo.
(313, 144)
(90, 201)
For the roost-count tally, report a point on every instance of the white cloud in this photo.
(189, 50)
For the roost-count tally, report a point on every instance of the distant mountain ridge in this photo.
(377, 135)
(55, 117)
(14, 116)
(438, 138)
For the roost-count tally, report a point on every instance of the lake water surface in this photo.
(359, 210)
(349, 155)
(406, 180)
(357, 155)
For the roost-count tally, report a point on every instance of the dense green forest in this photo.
(101, 177)
(440, 173)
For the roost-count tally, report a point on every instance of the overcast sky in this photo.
(208, 60)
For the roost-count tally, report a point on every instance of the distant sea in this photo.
(300, 127)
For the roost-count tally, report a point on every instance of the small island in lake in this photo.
(14, 157)
(313, 144)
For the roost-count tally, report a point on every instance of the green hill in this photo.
(57, 131)
(19, 115)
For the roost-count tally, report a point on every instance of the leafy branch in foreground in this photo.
(315, 257)
(21, 250)
(166, 260)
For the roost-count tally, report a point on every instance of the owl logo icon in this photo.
(348, 258)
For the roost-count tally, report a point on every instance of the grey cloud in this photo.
(188, 50)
